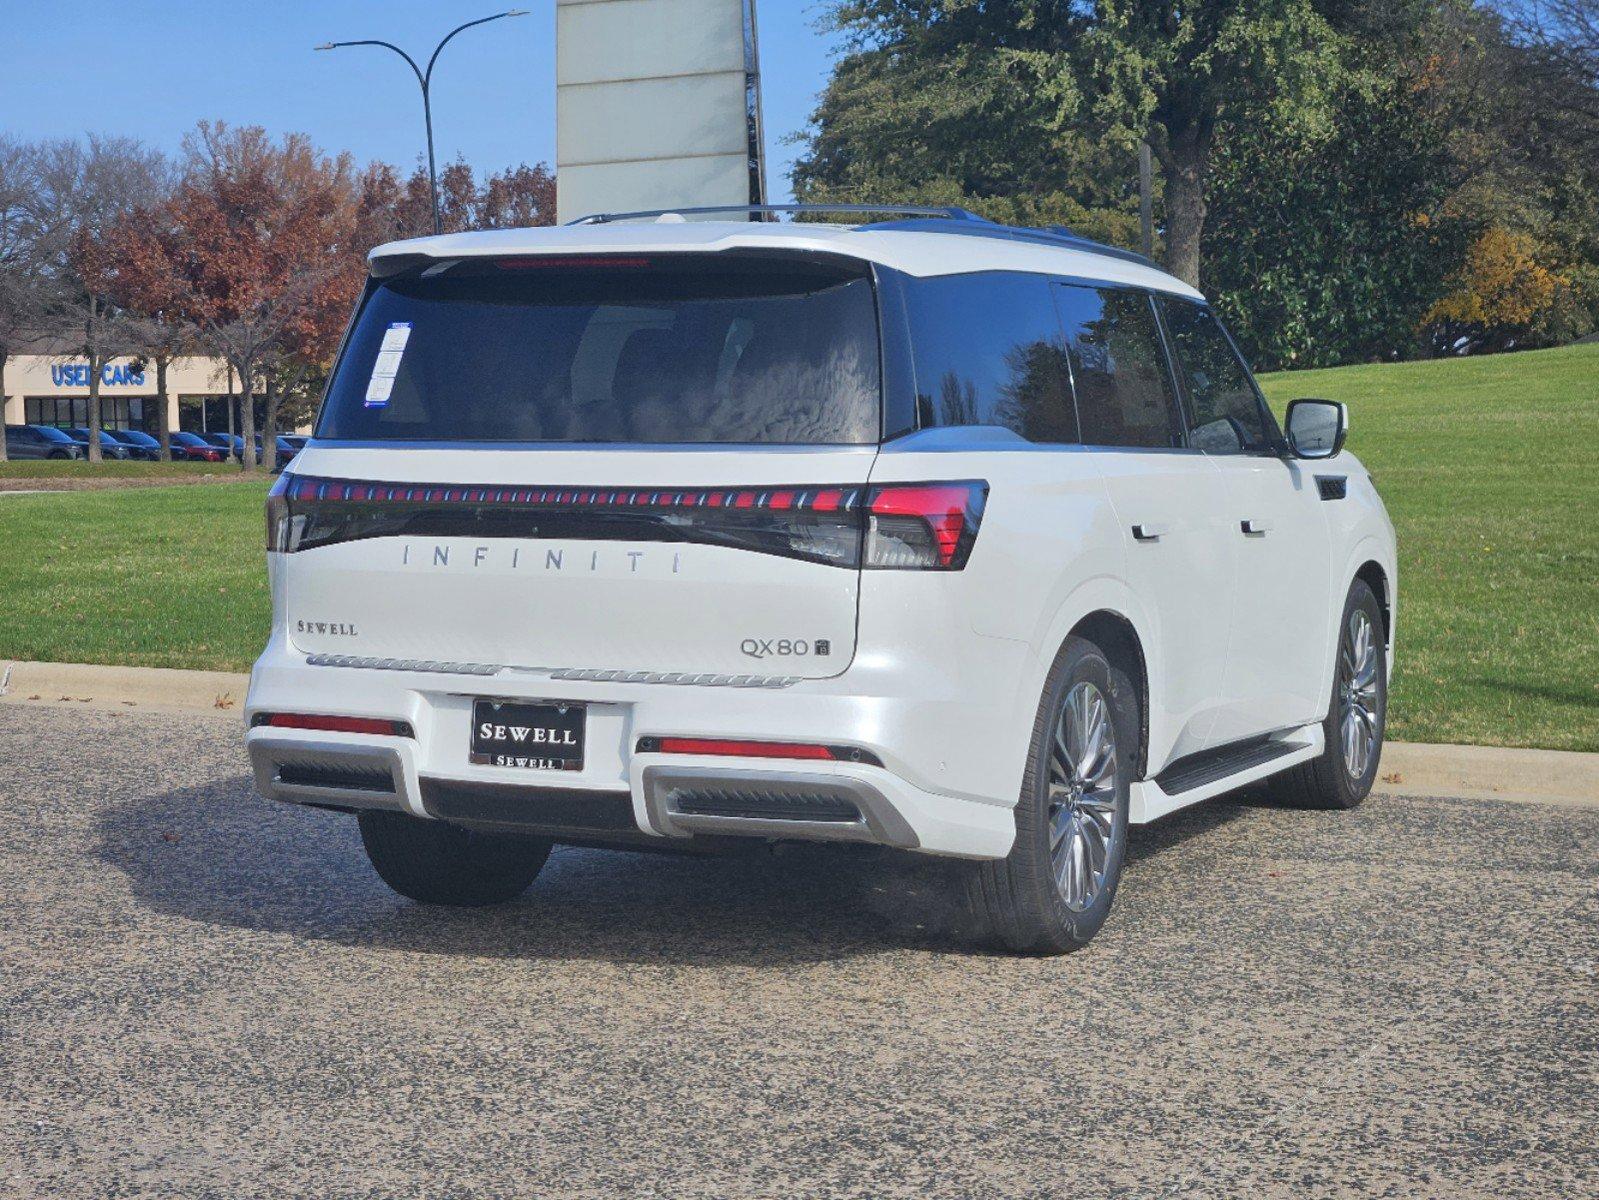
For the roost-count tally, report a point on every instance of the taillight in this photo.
(902, 526)
(278, 515)
(923, 526)
(333, 724)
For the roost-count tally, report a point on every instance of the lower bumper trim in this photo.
(684, 801)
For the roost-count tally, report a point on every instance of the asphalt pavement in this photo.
(204, 994)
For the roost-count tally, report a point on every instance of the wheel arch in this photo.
(1116, 635)
(1371, 572)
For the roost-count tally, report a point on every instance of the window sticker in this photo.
(387, 365)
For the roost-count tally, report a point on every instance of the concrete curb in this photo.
(1408, 769)
(156, 689)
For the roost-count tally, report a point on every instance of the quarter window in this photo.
(1122, 382)
(1228, 417)
(988, 352)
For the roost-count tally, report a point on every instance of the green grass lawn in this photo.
(1486, 465)
(111, 469)
(149, 577)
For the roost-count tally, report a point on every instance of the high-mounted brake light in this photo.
(571, 262)
(926, 526)
(332, 724)
(740, 748)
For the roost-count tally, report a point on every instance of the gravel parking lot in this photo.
(202, 994)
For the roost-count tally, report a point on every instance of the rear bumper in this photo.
(621, 793)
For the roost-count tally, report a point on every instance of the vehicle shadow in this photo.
(220, 855)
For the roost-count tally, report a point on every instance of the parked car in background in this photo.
(39, 441)
(111, 445)
(231, 444)
(142, 444)
(296, 440)
(286, 452)
(191, 447)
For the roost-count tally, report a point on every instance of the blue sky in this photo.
(152, 68)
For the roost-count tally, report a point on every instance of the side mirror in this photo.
(1317, 428)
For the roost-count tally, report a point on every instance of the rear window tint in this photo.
(762, 353)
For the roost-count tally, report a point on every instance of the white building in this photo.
(53, 389)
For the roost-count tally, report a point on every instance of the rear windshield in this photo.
(750, 351)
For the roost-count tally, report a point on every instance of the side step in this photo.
(1196, 770)
(1212, 772)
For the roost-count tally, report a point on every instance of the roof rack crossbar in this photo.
(910, 210)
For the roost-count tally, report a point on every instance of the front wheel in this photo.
(1357, 718)
(1053, 891)
(438, 863)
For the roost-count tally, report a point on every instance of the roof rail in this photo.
(960, 220)
(910, 210)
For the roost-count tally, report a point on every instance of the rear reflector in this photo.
(723, 747)
(329, 724)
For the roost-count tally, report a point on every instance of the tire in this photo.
(59, 454)
(437, 863)
(1027, 901)
(1335, 779)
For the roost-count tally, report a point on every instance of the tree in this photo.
(82, 189)
(251, 240)
(22, 288)
(1045, 96)
(389, 209)
(1173, 72)
(1329, 248)
(1501, 296)
(950, 103)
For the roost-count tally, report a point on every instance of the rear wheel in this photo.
(438, 863)
(1053, 891)
(1343, 774)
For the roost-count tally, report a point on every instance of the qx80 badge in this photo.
(785, 648)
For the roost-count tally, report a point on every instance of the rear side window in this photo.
(685, 351)
(1122, 383)
(1228, 417)
(988, 352)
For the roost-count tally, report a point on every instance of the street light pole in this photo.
(425, 79)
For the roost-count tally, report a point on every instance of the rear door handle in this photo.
(1253, 525)
(1150, 531)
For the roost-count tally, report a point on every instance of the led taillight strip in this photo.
(334, 724)
(815, 498)
(744, 748)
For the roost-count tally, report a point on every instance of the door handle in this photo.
(1252, 525)
(1150, 531)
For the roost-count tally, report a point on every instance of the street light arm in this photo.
(410, 62)
(428, 75)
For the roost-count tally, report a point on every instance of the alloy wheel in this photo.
(1083, 817)
(1359, 702)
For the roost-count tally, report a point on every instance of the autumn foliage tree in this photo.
(256, 248)
(83, 190)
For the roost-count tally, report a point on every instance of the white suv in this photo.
(931, 533)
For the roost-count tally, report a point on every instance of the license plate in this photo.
(540, 737)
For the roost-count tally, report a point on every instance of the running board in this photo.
(1213, 772)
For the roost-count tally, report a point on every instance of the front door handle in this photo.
(1254, 525)
(1150, 531)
